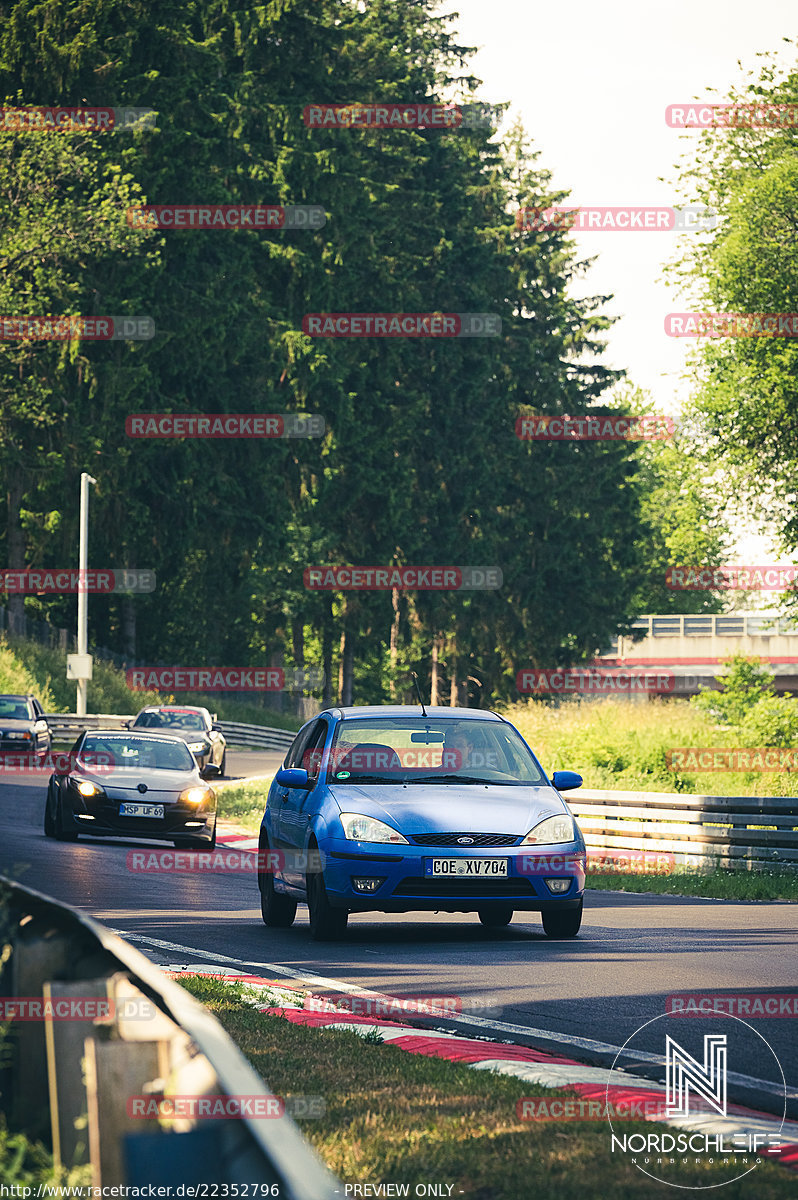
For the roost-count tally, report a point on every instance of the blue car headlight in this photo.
(559, 828)
(358, 828)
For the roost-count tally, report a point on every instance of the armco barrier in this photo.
(157, 1041)
(67, 725)
(746, 832)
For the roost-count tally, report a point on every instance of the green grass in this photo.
(719, 884)
(242, 803)
(622, 745)
(404, 1118)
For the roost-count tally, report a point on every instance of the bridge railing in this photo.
(67, 726)
(694, 832)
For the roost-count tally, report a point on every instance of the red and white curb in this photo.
(556, 1071)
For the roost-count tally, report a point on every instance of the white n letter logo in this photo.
(682, 1072)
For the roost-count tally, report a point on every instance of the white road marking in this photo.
(323, 981)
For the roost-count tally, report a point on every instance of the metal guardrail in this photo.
(153, 1040)
(262, 737)
(701, 832)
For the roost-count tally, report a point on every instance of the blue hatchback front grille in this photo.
(453, 839)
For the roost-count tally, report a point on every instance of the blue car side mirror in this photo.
(294, 777)
(564, 781)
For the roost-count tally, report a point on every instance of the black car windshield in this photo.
(438, 750)
(169, 720)
(141, 753)
(14, 710)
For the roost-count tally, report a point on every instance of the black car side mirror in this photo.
(210, 771)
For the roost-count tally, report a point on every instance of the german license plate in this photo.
(472, 867)
(141, 810)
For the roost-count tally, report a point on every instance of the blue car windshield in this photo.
(436, 750)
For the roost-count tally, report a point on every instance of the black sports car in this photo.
(126, 784)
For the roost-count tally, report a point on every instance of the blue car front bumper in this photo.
(407, 882)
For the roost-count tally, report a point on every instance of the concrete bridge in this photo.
(693, 647)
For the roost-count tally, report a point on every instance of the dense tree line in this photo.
(744, 412)
(420, 463)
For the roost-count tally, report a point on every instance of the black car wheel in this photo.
(223, 764)
(61, 833)
(496, 917)
(563, 924)
(326, 923)
(278, 911)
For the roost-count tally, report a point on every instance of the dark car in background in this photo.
(194, 725)
(23, 727)
(141, 785)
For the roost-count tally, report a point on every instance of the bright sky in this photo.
(591, 80)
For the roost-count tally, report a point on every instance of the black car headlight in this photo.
(199, 747)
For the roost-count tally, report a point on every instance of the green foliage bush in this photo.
(746, 683)
(16, 677)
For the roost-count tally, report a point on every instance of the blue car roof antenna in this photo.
(418, 690)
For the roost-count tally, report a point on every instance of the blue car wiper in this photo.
(448, 779)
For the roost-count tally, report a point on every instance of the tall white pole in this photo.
(83, 606)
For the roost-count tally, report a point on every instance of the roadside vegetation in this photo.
(396, 1117)
(624, 744)
(719, 884)
(28, 666)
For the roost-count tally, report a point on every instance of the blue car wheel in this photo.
(326, 923)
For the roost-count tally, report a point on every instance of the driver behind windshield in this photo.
(464, 750)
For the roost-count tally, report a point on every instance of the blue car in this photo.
(403, 808)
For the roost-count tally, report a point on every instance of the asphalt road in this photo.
(632, 952)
